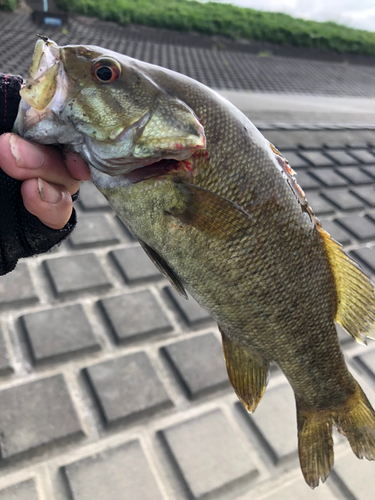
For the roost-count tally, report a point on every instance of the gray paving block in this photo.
(344, 337)
(275, 422)
(134, 316)
(127, 388)
(365, 193)
(360, 139)
(342, 199)
(282, 140)
(354, 175)
(355, 477)
(363, 155)
(5, 365)
(90, 198)
(115, 474)
(36, 414)
(336, 139)
(319, 205)
(367, 360)
(316, 158)
(209, 455)
(20, 491)
(77, 273)
(306, 181)
(341, 157)
(16, 288)
(199, 364)
(361, 227)
(93, 231)
(135, 266)
(192, 313)
(294, 159)
(365, 269)
(370, 170)
(367, 256)
(336, 231)
(59, 333)
(310, 139)
(328, 177)
(300, 491)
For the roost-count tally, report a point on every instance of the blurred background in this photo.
(111, 385)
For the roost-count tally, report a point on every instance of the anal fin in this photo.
(247, 372)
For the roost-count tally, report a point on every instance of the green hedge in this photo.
(8, 4)
(228, 20)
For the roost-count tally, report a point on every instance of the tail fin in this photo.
(355, 419)
(315, 444)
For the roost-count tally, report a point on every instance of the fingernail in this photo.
(26, 154)
(47, 192)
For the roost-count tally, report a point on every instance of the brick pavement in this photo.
(114, 387)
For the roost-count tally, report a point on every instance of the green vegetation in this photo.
(228, 20)
(8, 4)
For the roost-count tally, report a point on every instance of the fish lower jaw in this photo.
(133, 170)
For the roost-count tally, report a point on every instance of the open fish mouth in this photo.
(160, 168)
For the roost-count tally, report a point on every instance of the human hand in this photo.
(49, 177)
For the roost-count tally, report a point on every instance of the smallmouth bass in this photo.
(217, 209)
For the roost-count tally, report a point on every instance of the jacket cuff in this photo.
(10, 87)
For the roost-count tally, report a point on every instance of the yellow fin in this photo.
(247, 372)
(355, 293)
(356, 421)
(315, 444)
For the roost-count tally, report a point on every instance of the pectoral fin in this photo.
(163, 267)
(207, 211)
(247, 372)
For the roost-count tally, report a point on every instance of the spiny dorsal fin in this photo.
(355, 293)
(163, 267)
(247, 372)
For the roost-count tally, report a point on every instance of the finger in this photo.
(76, 165)
(52, 204)
(23, 160)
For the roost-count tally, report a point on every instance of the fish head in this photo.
(106, 107)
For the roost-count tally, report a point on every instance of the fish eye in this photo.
(106, 71)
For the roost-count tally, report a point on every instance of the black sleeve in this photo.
(21, 233)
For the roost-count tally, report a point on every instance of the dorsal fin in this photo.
(355, 292)
(163, 267)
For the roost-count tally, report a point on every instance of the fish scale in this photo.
(217, 209)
